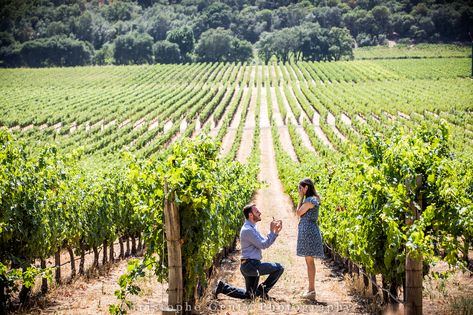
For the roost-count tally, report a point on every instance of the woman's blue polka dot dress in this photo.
(309, 239)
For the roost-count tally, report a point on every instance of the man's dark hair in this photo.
(247, 210)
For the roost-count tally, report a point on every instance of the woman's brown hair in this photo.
(307, 182)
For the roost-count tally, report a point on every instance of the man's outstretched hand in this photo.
(276, 226)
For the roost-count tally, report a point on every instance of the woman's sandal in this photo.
(309, 295)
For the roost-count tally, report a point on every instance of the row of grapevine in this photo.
(368, 198)
(71, 108)
(60, 205)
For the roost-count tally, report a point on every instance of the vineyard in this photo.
(86, 153)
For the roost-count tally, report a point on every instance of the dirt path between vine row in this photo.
(283, 131)
(227, 140)
(332, 292)
(94, 294)
(246, 144)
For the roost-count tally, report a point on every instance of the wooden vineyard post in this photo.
(57, 261)
(44, 281)
(173, 239)
(413, 294)
(73, 262)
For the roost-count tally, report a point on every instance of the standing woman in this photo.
(309, 239)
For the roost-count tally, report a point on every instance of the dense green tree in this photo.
(222, 45)
(313, 43)
(66, 11)
(263, 4)
(246, 24)
(308, 41)
(283, 43)
(382, 18)
(241, 50)
(366, 23)
(83, 27)
(420, 9)
(218, 14)
(158, 26)
(368, 4)
(183, 37)
(349, 21)
(103, 32)
(183, 22)
(264, 47)
(265, 18)
(123, 27)
(56, 51)
(250, 23)
(464, 24)
(364, 39)
(214, 45)
(104, 56)
(279, 43)
(341, 43)
(6, 39)
(166, 52)
(291, 15)
(326, 16)
(158, 20)
(133, 48)
(146, 3)
(402, 24)
(426, 28)
(120, 11)
(10, 56)
(445, 19)
(56, 28)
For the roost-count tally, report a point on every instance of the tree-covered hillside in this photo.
(77, 32)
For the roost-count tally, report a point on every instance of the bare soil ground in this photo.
(57, 127)
(94, 292)
(264, 116)
(390, 117)
(290, 115)
(332, 294)
(276, 113)
(346, 120)
(94, 295)
(26, 128)
(167, 125)
(215, 129)
(283, 132)
(139, 123)
(247, 137)
(300, 130)
(319, 132)
(376, 118)
(303, 113)
(360, 118)
(111, 123)
(99, 123)
(154, 123)
(331, 122)
(305, 138)
(403, 115)
(286, 143)
(197, 129)
(227, 140)
(452, 295)
(73, 127)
